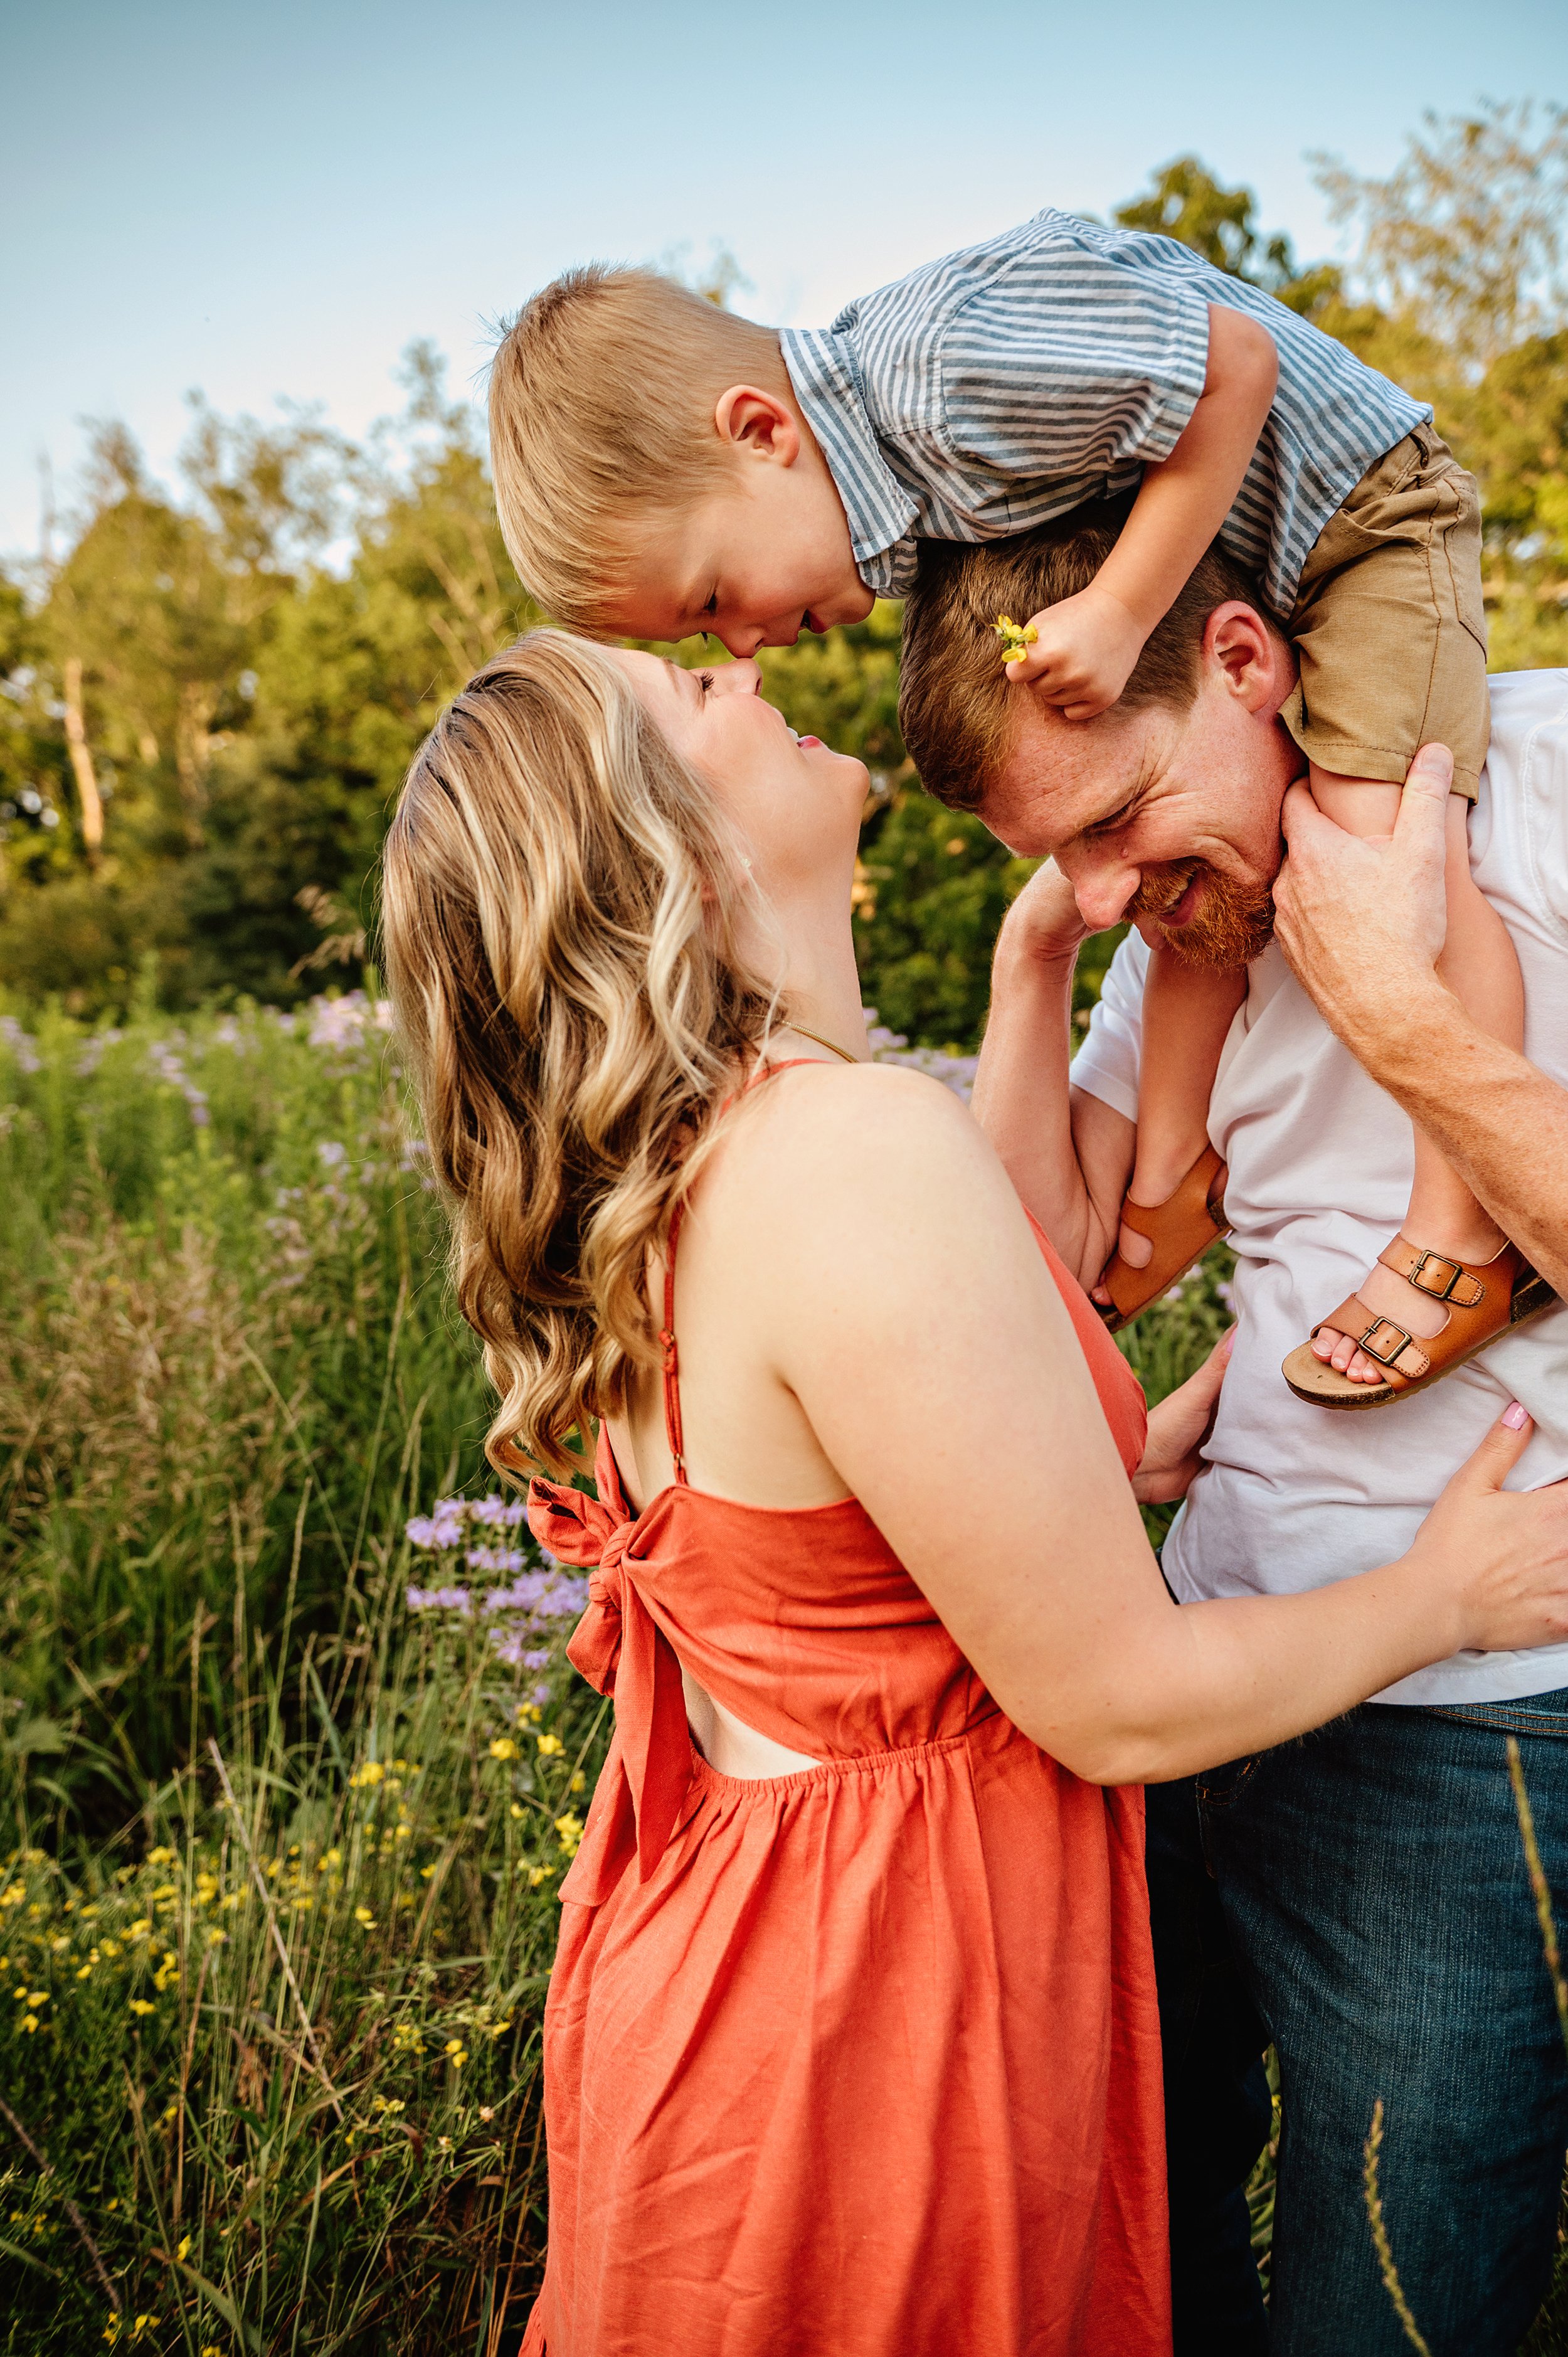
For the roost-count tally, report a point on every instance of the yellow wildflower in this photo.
(37, 1996)
(503, 1748)
(570, 1829)
(389, 2105)
(29, 2022)
(538, 1874)
(368, 1775)
(1015, 637)
(456, 2053)
(182, 2248)
(363, 1915)
(549, 1745)
(160, 1856)
(139, 2007)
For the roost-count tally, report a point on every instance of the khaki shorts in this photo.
(1388, 623)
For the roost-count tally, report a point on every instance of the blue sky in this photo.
(273, 199)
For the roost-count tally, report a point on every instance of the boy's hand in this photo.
(1083, 653)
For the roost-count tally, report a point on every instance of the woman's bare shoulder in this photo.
(852, 1141)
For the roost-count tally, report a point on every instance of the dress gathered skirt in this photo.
(862, 2061)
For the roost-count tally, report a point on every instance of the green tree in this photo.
(1188, 204)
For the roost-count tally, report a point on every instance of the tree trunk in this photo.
(82, 763)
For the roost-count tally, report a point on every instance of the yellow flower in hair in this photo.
(1016, 636)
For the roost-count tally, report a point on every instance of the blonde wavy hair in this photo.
(559, 911)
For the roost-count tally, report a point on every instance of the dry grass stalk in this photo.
(1381, 2242)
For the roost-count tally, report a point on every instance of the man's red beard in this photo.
(1233, 923)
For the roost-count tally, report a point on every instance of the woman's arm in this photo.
(906, 1305)
(1069, 1156)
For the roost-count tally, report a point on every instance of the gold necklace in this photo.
(831, 1045)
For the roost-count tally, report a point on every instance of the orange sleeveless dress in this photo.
(864, 2061)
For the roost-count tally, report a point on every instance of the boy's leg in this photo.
(1480, 968)
(1375, 1884)
(1218, 2107)
(1187, 1011)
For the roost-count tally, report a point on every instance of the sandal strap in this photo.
(1435, 1274)
(1396, 1350)
(1181, 1229)
(1480, 1306)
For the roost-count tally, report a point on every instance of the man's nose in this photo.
(1101, 887)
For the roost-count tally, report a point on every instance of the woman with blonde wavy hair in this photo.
(851, 2048)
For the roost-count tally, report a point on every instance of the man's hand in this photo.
(1361, 924)
(1177, 1430)
(1083, 653)
(1044, 921)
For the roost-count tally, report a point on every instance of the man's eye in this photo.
(712, 605)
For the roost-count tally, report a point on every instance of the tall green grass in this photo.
(278, 1904)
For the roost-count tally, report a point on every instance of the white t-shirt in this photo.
(1320, 1165)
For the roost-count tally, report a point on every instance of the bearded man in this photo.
(1361, 1898)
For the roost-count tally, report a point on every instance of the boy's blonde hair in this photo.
(602, 398)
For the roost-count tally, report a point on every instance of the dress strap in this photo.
(671, 1361)
(672, 1431)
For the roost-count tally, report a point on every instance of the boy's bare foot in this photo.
(1392, 1297)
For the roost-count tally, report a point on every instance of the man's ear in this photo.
(1247, 657)
(759, 424)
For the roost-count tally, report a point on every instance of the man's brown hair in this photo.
(954, 700)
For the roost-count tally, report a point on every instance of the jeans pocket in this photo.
(1219, 1788)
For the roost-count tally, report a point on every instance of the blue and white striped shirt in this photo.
(1003, 385)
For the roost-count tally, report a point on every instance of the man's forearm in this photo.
(1502, 1123)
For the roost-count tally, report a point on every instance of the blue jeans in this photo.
(1373, 1885)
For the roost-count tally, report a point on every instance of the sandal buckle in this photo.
(1389, 1349)
(1439, 1291)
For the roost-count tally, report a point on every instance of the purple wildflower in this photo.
(495, 1559)
(19, 1043)
(440, 1600)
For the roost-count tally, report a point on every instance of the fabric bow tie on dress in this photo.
(620, 1649)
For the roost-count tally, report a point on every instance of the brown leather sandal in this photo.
(1181, 1229)
(1483, 1300)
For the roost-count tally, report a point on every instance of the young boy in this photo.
(663, 467)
